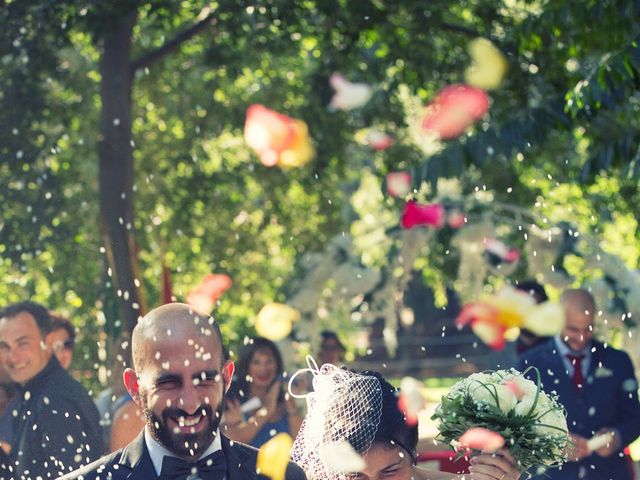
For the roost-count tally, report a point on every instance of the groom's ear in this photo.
(130, 378)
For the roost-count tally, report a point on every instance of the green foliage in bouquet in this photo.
(532, 423)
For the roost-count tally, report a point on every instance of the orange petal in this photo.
(476, 311)
(491, 333)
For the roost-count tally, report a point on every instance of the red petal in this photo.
(415, 215)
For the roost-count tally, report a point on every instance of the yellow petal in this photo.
(489, 65)
(301, 151)
(274, 321)
(545, 319)
(273, 457)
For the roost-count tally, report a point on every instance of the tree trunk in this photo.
(116, 169)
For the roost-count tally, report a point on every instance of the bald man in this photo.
(598, 388)
(179, 381)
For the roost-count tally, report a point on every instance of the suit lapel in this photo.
(596, 358)
(136, 457)
(241, 461)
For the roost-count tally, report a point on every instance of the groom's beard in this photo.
(184, 445)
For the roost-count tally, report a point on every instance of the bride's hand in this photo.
(494, 466)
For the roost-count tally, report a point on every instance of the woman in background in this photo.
(257, 407)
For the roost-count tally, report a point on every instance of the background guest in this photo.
(56, 428)
(257, 407)
(331, 348)
(63, 339)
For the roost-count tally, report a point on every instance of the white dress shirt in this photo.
(157, 452)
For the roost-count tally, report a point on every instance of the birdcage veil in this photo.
(343, 406)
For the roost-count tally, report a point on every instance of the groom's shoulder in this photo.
(104, 468)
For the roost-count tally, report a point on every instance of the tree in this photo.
(80, 83)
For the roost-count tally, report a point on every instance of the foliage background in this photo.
(561, 141)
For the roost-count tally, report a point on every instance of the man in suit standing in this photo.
(179, 381)
(54, 423)
(597, 386)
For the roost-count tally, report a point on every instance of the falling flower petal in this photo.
(491, 333)
(455, 108)
(273, 457)
(349, 95)
(500, 251)
(378, 140)
(481, 439)
(274, 321)
(474, 311)
(410, 400)
(492, 317)
(456, 219)
(488, 67)
(340, 457)
(277, 139)
(205, 295)
(415, 215)
(398, 183)
(545, 319)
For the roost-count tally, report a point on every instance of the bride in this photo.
(354, 430)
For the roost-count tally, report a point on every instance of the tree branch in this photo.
(206, 16)
(459, 29)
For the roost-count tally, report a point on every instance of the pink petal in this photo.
(415, 215)
(454, 109)
(481, 439)
(398, 183)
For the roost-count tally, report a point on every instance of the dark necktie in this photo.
(577, 378)
(211, 467)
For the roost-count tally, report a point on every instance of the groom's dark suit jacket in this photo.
(609, 399)
(134, 463)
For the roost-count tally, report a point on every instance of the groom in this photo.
(179, 381)
(597, 386)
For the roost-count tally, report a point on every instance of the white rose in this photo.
(523, 407)
(525, 386)
(483, 392)
(554, 418)
(507, 398)
(489, 393)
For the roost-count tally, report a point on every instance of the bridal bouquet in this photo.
(532, 423)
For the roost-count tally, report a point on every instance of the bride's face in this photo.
(385, 462)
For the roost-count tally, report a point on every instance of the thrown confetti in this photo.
(211, 288)
(277, 139)
(492, 316)
(488, 66)
(454, 109)
(417, 215)
(274, 321)
(398, 184)
(410, 400)
(349, 95)
(273, 457)
(340, 457)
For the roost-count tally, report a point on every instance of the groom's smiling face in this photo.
(181, 392)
